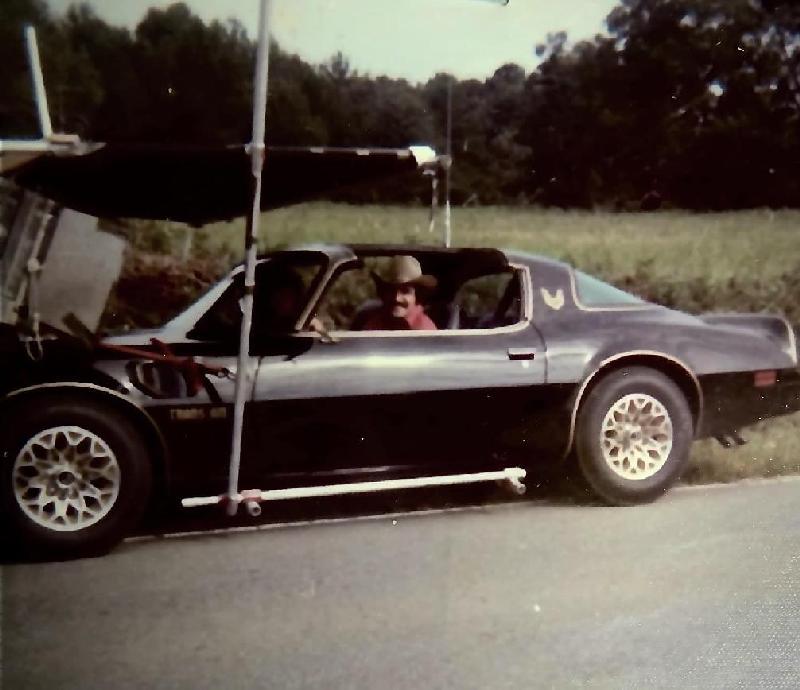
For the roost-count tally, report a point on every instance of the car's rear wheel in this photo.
(633, 436)
(76, 476)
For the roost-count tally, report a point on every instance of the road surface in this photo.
(700, 590)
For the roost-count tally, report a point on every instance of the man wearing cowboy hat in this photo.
(399, 289)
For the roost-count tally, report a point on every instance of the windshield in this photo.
(283, 287)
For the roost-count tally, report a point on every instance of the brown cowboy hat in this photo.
(404, 269)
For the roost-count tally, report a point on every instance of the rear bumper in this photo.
(734, 402)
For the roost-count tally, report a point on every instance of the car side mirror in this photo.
(159, 380)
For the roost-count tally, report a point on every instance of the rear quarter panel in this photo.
(583, 343)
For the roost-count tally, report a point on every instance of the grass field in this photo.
(671, 245)
(747, 261)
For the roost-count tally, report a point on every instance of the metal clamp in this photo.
(251, 498)
(516, 486)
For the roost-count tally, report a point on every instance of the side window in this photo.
(352, 293)
(487, 301)
(490, 301)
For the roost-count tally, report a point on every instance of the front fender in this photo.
(88, 390)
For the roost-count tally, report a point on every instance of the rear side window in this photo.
(490, 301)
(595, 293)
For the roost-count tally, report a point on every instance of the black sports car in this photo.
(532, 363)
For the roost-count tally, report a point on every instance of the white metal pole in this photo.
(448, 236)
(39, 94)
(434, 200)
(243, 374)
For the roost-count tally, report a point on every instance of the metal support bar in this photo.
(39, 94)
(512, 475)
(256, 150)
(448, 232)
(244, 378)
(16, 152)
(434, 199)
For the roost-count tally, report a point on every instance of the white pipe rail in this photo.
(512, 475)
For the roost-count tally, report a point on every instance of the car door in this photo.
(198, 428)
(357, 403)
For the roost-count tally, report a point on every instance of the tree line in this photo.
(682, 103)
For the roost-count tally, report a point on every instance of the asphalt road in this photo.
(699, 590)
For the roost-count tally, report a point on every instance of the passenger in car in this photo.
(402, 289)
(278, 300)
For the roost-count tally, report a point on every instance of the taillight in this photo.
(762, 379)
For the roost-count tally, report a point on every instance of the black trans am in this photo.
(533, 364)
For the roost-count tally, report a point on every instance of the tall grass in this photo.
(675, 246)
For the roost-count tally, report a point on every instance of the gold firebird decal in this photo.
(192, 414)
(554, 301)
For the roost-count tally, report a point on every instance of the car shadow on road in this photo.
(174, 520)
(210, 518)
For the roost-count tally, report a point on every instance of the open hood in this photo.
(198, 185)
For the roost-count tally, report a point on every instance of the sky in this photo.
(411, 39)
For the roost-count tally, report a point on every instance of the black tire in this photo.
(133, 477)
(612, 478)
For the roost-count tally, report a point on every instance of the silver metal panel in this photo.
(30, 229)
(79, 271)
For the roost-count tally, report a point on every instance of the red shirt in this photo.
(415, 320)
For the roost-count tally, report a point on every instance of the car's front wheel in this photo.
(633, 436)
(75, 476)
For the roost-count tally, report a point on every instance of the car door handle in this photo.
(517, 353)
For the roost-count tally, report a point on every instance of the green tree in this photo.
(194, 77)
